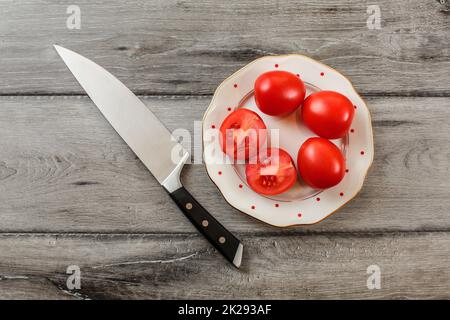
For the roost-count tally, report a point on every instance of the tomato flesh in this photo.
(328, 114)
(242, 133)
(278, 93)
(320, 163)
(273, 173)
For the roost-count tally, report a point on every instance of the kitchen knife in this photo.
(152, 143)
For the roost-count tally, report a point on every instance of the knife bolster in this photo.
(172, 182)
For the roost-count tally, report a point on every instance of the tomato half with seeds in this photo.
(242, 134)
(273, 173)
(278, 93)
(321, 164)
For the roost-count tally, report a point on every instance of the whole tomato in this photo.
(278, 93)
(320, 163)
(328, 114)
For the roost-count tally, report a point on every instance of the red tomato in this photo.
(278, 93)
(328, 114)
(242, 133)
(274, 173)
(321, 163)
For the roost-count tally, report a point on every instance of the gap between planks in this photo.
(260, 234)
(143, 94)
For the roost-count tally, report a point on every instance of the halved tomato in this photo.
(273, 173)
(242, 133)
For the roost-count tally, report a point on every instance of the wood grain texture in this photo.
(72, 193)
(413, 265)
(64, 169)
(188, 47)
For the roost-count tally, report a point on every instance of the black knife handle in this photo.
(222, 239)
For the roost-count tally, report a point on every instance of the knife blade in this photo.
(152, 142)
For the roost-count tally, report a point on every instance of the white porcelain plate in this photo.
(301, 204)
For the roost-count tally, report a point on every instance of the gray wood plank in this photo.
(64, 169)
(412, 265)
(39, 288)
(189, 47)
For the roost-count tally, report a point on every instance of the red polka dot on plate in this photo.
(220, 173)
(235, 85)
(352, 130)
(229, 109)
(354, 107)
(322, 74)
(362, 153)
(276, 205)
(299, 215)
(341, 194)
(240, 186)
(298, 75)
(346, 170)
(213, 126)
(317, 199)
(276, 65)
(253, 207)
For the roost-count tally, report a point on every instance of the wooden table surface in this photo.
(73, 193)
